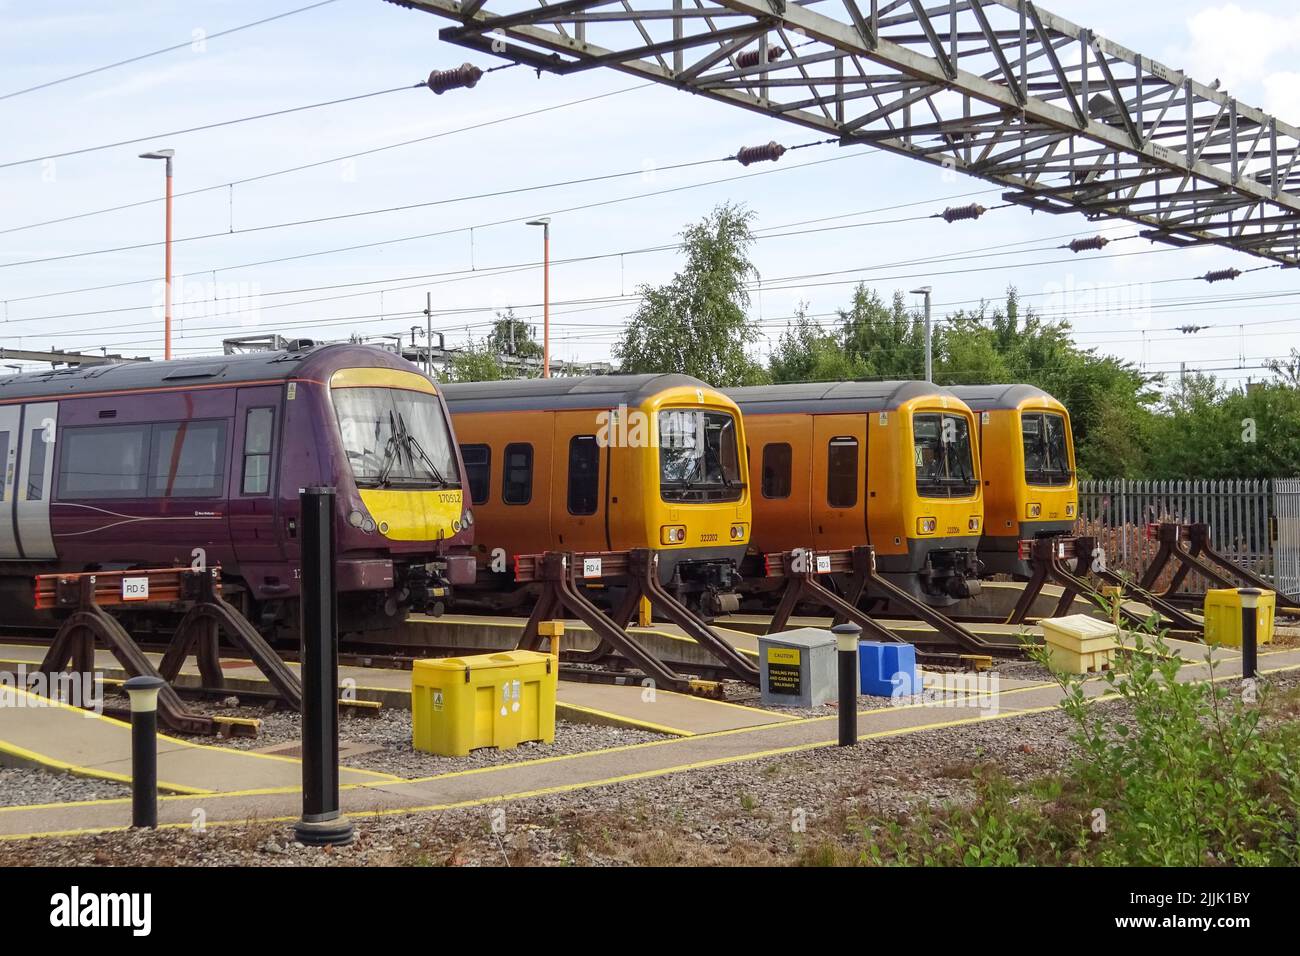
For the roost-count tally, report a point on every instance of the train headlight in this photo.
(1069, 510)
(368, 525)
(455, 525)
(1033, 509)
(469, 518)
(672, 534)
(356, 519)
(926, 525)
(973, 524)
(737, 532)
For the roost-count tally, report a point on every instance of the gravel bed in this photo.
(20, 786)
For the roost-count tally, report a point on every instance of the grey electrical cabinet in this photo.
(797, 668)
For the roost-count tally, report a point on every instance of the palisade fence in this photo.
(1253, 523)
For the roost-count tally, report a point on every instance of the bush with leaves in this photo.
(1186, 773)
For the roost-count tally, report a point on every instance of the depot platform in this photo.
(550, 775)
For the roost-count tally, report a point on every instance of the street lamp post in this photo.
(166, 154)
(545, 223)
(929, 362)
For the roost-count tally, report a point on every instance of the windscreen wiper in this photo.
(392, 451)
(413, 445)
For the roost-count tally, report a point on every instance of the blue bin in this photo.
(888, 669)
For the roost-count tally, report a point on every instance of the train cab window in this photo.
(517, 475)
(478, 471)
(943, 455)
(584, 474)
(259, 428)
(104, 461)
(187, 460)
(1047, 456)
(842, 473)
(699, 456)
(776, 470)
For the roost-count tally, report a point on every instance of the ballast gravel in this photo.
(20, 786)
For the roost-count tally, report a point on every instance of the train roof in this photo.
(983, 398)
(592, 391)
(207, 370)
(832, 396)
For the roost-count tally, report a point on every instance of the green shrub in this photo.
(1184, 774)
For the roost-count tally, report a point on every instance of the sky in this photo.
(651, 160)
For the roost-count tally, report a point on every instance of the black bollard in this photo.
(846, 651)
(143, 692)
(1249, 631)
(322, 822)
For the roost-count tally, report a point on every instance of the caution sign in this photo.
(437, 700)
(784, 668)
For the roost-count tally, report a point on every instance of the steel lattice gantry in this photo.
(1067, 120)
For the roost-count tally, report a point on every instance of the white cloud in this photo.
(1241, 48)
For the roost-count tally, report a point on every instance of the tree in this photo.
(1209, 431)
(512, 336)
(476, 362)
(886, 342)
(698, 324)
(806, 352)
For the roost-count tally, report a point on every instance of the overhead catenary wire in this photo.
(206, 126)
(188, 44)
(504, 269)
(452, 231)
(326, 162)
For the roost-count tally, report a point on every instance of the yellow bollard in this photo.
(553, 630)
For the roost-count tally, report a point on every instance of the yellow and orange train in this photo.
(1030, 486)
(890, 464)
(608, 463)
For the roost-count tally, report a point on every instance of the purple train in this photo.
(148, 465)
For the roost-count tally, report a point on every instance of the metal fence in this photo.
(1254, 523)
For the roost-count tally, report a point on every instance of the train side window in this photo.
(4, 465)
(776, 470)
(584, 474)
(517, 475)
(259, 429)
(36, 470)
(842, 473)
(478, 469)
(103, 461)
(187, 460)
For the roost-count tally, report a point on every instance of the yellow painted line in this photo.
(626, 721)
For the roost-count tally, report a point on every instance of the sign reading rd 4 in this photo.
(135, 589)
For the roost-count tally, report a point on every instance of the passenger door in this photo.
(254, 475)
(839, 481)
(33, 485)
(579, 485)
(10, 416)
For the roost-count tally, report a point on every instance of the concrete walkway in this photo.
(36, 731)
(576, 771)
